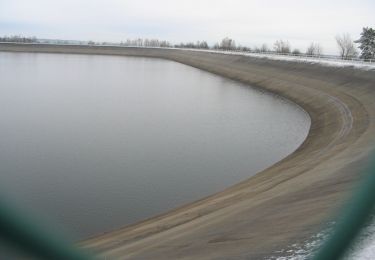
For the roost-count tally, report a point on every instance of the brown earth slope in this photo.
(281, 205)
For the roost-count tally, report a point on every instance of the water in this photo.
(93, 143)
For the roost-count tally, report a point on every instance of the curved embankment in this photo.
(282, 205)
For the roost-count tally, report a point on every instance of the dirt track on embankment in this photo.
(281, 205)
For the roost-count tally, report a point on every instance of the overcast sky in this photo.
(249, 22)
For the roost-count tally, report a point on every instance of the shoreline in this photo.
(282, 205)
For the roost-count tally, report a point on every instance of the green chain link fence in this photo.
(352, 219)
(40, 244)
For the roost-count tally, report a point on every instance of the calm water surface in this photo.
(93, 143)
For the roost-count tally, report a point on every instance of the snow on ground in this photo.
(362, 249)
(313, 60)
(305, 250)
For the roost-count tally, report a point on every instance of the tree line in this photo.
(18, 38)
(346, 46)
(139, 42)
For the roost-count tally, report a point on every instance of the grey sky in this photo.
(250, 22)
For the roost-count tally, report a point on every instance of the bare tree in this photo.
(346, 46)
(264, 48)
(216, 46)
(314, 49)
(200, 45)
(203, 45)
(227, 44)
(282, 46)
(147, 43)
(164, 44)
(140, 42)
(192, 45)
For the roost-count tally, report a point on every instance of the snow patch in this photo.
(305, 250)
(362, 249)
(364, 246)
(303, 59)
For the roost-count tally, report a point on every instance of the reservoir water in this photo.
(92, 143)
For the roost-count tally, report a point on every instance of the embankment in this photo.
(282, 205)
